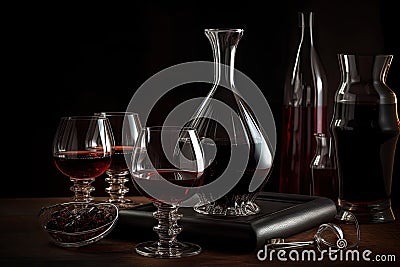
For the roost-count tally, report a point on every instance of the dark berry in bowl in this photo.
(76, 224)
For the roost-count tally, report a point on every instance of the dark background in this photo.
(75, 59)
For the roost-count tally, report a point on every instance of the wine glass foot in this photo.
(175, 250)
(124, 203)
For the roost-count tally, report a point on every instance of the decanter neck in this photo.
(224, 43)
(364, 68)
(363, 79)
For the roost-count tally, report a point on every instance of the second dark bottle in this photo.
(304, 111)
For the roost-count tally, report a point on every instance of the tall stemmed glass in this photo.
(167, 167)
(126, 127)
(82, 149)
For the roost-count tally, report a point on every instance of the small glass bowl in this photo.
(77, 224)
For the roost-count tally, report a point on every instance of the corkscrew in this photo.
(319, 241)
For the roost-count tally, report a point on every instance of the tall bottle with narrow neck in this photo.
(304, 111)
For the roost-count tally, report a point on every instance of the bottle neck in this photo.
(224, 43)
(307, 75)
(322, 146)
(324, 154)
(306, 24)
(308, 82)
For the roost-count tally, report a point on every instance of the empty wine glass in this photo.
(126, 127)
(167, 167)
(82, 150)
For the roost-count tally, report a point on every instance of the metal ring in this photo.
(319, 240)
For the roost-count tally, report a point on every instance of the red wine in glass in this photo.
(167, 168)
(82, 167)
(82, 164)
(82, 150)
(155, 180)
(126, 127)
(120, 157)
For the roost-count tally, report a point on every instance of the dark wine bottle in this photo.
(304, 111)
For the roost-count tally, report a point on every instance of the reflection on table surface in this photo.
(23, 243)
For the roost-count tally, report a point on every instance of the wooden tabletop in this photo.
(23, 243)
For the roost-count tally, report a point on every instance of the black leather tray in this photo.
(282, 215)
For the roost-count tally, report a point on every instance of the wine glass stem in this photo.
(167, 228)
(117, 188)
(82, 190)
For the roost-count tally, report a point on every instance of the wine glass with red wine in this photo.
(126, 127)
(82, 150)
(167, 168)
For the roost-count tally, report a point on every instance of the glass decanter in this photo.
(365, 128)
(237, 151)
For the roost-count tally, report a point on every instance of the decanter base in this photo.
(374, 212)
(230, 206)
